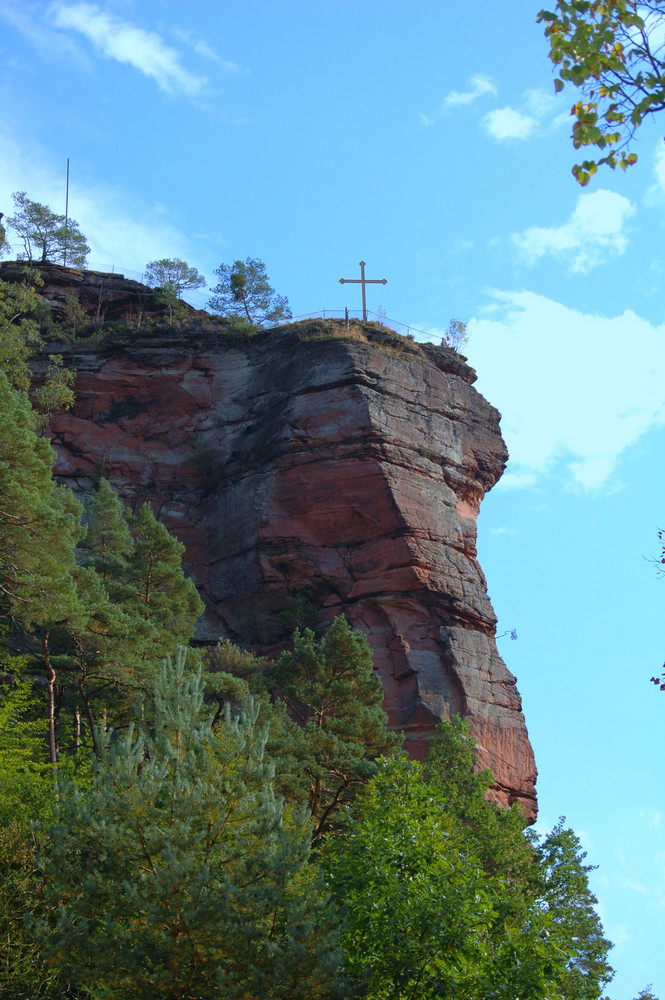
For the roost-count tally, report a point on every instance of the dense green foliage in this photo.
(335, 729)
(39, 521)
(441, 895)
(186, 873)
(21, 319)
(245, 830)
(244, 291)
(45, 235)
(612, 50)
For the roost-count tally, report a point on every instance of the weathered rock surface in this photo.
(349, 470)
(105, 296)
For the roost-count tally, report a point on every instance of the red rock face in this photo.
(347, 471)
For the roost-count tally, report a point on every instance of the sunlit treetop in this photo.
(614, 52)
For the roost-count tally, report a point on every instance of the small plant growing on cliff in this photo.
(171, 277)
(75, 319)
(456, 336)
(45, 235)
(244, 290)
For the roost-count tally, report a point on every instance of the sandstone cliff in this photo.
(305, 462)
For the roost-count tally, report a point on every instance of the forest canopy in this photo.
(203, 823)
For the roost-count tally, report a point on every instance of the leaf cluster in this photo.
(612, 51)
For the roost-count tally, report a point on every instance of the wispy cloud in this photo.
(122, 230)
(50, 44)
(145, 51)
(538, 112)
(478, 86)
(507, 123)
(593, 233)
(206, 51)
(635, 886)
(522, 364)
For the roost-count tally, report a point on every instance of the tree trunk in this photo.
(244, 302)
(50, 687)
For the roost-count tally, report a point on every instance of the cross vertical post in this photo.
(362, 281)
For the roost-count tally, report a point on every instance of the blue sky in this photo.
(424, 138)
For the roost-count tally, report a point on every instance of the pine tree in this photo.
(562, 885)
(26, 796)
(45, 234)
(162, 601)
(178, 874)
(139, 605)
(327, 745)
(40, 525)
(39, 521)
(244, 290)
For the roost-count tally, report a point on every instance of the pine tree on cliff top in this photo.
(244, 291)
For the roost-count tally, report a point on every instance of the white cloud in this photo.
(206, 51)
(655, 194)
(146, 51)
(479, 85)
(569, 409)
(507, 123)
(594, 232)
(50, 44)
(540, 112)
(635, 886)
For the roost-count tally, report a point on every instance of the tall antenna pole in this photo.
(64, 255)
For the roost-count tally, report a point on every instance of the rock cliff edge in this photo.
(307, 466)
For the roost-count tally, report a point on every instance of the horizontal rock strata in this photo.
(307, 467)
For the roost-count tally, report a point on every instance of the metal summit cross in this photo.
(362, 280)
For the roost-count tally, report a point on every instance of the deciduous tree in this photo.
(45, 235)
(456, 336)
(442, 896)
(613, 52)
(244, 291)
